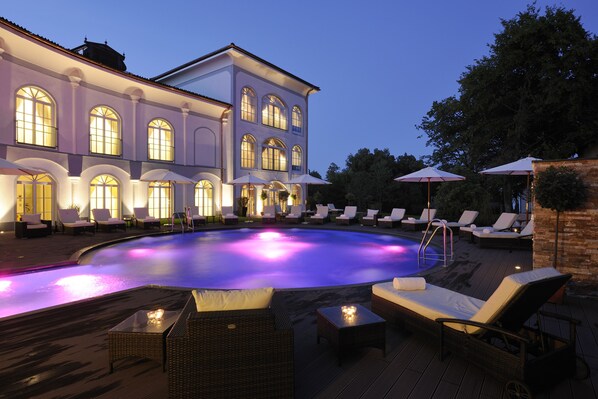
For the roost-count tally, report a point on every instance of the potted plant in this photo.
(264, 195)
(283, 196)
(294, 198)
(242, 203)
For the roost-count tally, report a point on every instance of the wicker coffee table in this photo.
(136, 337)
(342, 332)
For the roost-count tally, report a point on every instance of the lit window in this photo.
(248, 152)
(160, 140)
(274, 155)
(104, 131)
(159, 199)
(35, 117)
(204, 198)
(297, 157)
(274, 112)
(297, 120)
(104, 193)
(248, 104)
(35, 194)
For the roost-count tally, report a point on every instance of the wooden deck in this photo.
(62, 352)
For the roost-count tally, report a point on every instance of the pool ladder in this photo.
(423, 246)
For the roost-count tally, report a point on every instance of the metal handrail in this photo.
(421, 251)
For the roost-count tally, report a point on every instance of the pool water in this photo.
(244, 258)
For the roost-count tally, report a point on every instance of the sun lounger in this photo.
(321, 215)
(467, 218)
(144, 220)
(505, 239)
(295, 216)
(492, 334)
(413, 224)
(393, 220)
(228, 217)
(31, 225)
(269, 214)
(71, 223)
(348, 216)
(504, 222)
(106, 222)
(194, 219)
(370, 218)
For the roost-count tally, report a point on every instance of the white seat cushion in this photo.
(210, 300)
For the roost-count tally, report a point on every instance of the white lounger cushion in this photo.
(504, 221)
(423, 217)
(436, 302)
(527, 231)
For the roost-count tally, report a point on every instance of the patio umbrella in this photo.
(250, 180)
(521, 167)
(307, 179)
(430, 175)
(166, 176)
(12, 168)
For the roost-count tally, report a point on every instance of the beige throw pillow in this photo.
(258, 298)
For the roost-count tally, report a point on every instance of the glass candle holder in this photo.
(348, 311)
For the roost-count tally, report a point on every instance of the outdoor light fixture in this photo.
(517, 267)
(348, 312)
(155, 316)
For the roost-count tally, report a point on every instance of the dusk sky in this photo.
(379, 64)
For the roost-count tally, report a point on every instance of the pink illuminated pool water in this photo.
(245, 258)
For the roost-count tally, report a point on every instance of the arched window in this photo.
(297, 120)
(159, 199)
(35, 194)
(274, 112)
(204, 198)
(274, 155)
(297, 158)
(160, 140)
(104, 193)
(248, 152)
(35, 117)
(104, 131)
(248, 104)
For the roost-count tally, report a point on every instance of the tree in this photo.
(559, 189)
(533, 94)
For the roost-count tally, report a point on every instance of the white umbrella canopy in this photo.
(307, 179)
(521, 167)
(249, 179)
(12, 168)
(167, 176)
(430, 175)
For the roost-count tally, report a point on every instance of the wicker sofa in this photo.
(232, 353)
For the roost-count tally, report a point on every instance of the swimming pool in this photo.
(243, 258)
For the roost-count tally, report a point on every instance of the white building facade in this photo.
(101, 135)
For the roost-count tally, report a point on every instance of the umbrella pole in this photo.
(428, 200)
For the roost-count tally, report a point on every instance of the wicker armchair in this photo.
(231, 354)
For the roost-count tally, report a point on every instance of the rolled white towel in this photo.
(386, 218)
(410, 218)
(473, 226)
(488, 230)
(317, 215)
(409, 283)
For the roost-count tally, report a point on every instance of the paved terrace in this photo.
(62, 352)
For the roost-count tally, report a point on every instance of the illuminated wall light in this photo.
(517, 267)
